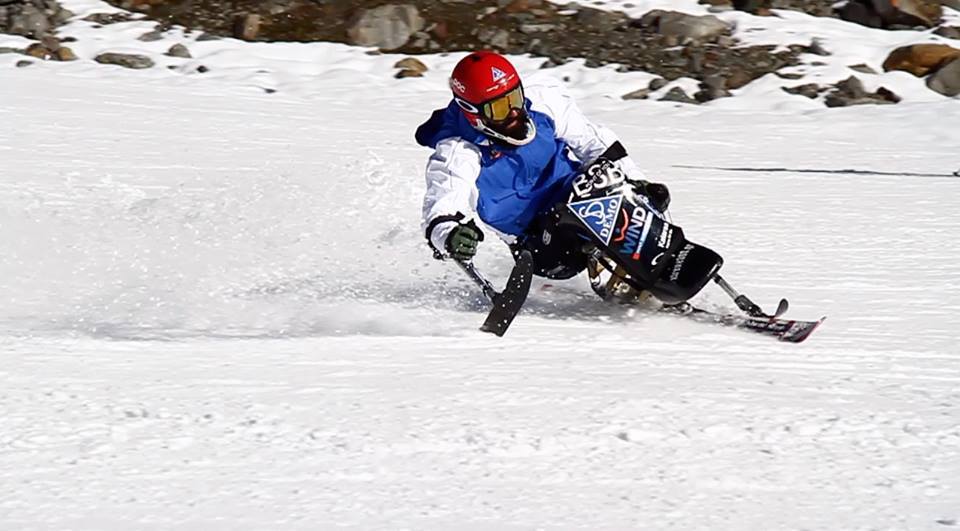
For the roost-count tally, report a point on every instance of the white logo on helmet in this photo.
(458, 85)
(497, 74)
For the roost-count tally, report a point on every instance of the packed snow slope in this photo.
(219, 312)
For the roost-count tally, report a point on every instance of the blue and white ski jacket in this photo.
(508, 186)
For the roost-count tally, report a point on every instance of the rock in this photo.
(150, 36)
(440, 31)
(685, 27)
(23, 62)
(496, 38)
(738, 79)
(788, 75)
(598, 20)
(30, 22)
(946, 80)
(928, 12)
(7, 49)
(862, 68)
(859, 13)
(179, 50)
(520, 6)
(920, 59)
(950, 32)
(62, 16)
(892, 13)
(39, 51)
(850, 91)
(752, 6)
(207, 37)
(246, 26)
(51, 43)
(202, 69)
(711, 88)
(65, 54)
(527, 29)
(810, 90)
(105, 19)
(851, 87)
(816, 48)
(125, 60)
(888, 95)
(677, 94)
(657, 83)
(640, 94)
(386, 27)
(410, 67)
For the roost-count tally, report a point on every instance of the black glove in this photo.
(657, 193)
(463, 240)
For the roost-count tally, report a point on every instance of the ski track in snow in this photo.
(219, 313)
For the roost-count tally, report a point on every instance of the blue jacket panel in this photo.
(516, 182)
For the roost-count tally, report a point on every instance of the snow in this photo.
(219, 312)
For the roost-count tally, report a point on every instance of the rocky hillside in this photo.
(667, 43)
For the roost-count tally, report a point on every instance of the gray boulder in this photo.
(125, 60)
(685, 27)
(946, 81)
(386, 27)
(29, 22)
(179, 50)
(676, 94)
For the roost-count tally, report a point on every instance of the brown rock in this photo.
(246, 26)
(737, 79)
(928, 12)
(920, 59)
(39, 51)
(411, 64)
(522, 6)
(65, 54)
(440, 31)
(408, 73)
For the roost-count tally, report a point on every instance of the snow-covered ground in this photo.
(219, 312)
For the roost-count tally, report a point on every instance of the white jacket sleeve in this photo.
(451, 175)
(586, 139)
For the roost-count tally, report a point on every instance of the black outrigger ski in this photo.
(506, 303)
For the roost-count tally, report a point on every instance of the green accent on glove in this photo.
(463, 240)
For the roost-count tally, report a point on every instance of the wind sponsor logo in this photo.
(634, 231)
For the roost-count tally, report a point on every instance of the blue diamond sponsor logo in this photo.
(599, 215)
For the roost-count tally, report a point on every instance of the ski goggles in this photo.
(497, 109)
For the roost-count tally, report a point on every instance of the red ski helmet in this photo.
(488, 90)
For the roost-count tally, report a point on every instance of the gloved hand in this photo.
(463, 240)
(658, 193)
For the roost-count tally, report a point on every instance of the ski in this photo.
(786, 330)
(507, 303)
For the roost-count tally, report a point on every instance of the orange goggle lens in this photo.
(498, 109)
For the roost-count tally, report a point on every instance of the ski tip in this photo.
(801, 330)
(782, 308)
